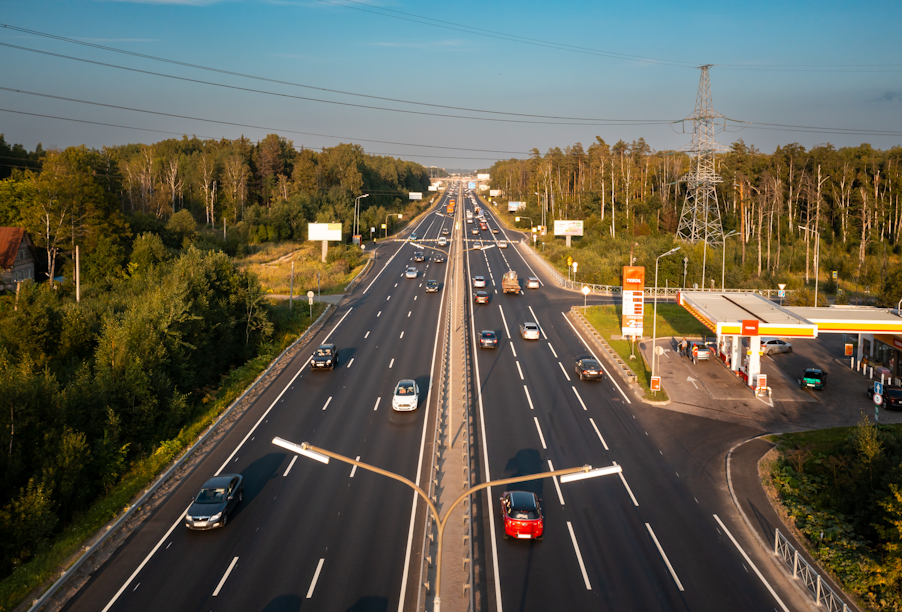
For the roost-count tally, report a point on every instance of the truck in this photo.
(510, 283)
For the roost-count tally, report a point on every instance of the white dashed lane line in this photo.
(628, 490)
(225, 577)
(388, 298)
(553, 352)
(564, 371)
(408, 313)
(536, 319)
(402, 335)
(664, 556)
(327, 402)
(529, 399)
(514, 351)
(378, 314)
(519, 370)
(350, 362)
(367, 335)
(319, 567)
(391, 363)
(541, 437)
(579, 557)
(290, 465)
(557, 487)
(376, 407)
(580, 401)
(354, 469)
(595, 427)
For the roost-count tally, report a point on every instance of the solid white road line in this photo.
(225, 576)
(536, 319)
(581, 401)
(564, 371)
(557, 487)
(319, 567)
(603, 443)
(519, 370)
(503, 318)
(749, 561)
(529, 399)
(340, 321)
(290, 465)
(350, 362)
(391, 363)
(553, 352)
(376, 407)
(383, 269)
(541, 437)
(586, 344)
(663, 556)
(579, 557)
(326, 405)
(354, 469)
(628, 490)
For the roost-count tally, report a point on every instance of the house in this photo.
(17, 261)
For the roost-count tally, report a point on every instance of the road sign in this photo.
(574, 267)
(834, 275)
(762, 381)
(781, 293)
(878, 399)
(569, 261)
(878, 388)
(781, 286)
(655, 383)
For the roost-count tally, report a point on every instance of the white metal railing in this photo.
(803, 571)
(566, 283)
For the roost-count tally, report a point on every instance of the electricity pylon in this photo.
(700, 219)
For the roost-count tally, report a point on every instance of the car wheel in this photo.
(581, 377)
(539, 537)
(225, 519)
(790, 350)
(506, 537)
(240, 495)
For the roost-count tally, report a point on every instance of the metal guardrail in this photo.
(566, 283)
(803, 571)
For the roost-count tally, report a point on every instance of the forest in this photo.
(88, 388)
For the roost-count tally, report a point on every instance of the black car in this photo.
(431, 286)
(439, 258)
(488, 339)
(324, 358)
(589, 369)
(892, 396)
(217, 498)
(419, 256)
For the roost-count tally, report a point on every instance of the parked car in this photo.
(210, 508)
(589, 369)
(521, 512)
(325, 357)
(481, 297)
(704, 351)
(411, 272)
(769, 346)
(532, 283)
(488, 339)
(419, 256)
(479, 281)
(892, 396)
(529, 330)
(406, 396)
(814, 378)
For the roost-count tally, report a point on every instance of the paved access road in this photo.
(322, 537)
(658, 539)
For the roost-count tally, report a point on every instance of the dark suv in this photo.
(324, 358)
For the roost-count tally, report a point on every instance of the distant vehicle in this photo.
(589, 369)
(413, 236)
(445, 232)
(411, 272)
(510, 283)
(419, 256)
(479, 281)
(474, 231)
(324, 358)
(502, 244)
(815, 378)
(431, 286)
(488, 339)
(469, 220)
(521, 512)
(406, 396)
(483, 226)
(438, 258)
(529, 330)
(494, 230)
(216, 499)
(482, 297)
(704, 353)
(769, 346)
(442, 241)
(469, 214)
(892, 396)
(532, 283)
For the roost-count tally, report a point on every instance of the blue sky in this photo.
(824, 64)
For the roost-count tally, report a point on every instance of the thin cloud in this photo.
(889, 96)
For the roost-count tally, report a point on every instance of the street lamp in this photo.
(585, 291)
(386, 221)
(654, 323)
(723, 266)
(567, 475)
(517, 219)
(685, 269)
(357, 212)
(817, 251)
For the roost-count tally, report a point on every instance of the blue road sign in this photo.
(878, 388)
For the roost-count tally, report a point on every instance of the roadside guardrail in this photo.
(823, 595)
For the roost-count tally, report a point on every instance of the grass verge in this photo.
(62, 551)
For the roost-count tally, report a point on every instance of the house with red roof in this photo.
(17, 260)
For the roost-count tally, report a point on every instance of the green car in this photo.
(814, 378)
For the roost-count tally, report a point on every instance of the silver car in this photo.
(769, 346)
(411, 272)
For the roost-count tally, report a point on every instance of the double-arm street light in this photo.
(567, 475)
(357, 212)
(400, 215)
(723, 267)
(654, 324)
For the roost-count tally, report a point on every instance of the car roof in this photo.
(219, 482)
(530, 324)
(432, 281)
(522, 499)
(814, 370)
(326, 346)
(488, 331)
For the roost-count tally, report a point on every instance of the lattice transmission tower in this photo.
(700, 219)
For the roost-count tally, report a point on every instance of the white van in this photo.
(442, 241)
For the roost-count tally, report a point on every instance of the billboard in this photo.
(515, 206)
(415, 195)
(494, 193)
(433, 187)
(471, 185)
(483, 187)
(633, 298)
(484, 177)
(568, 228)
(324, 231)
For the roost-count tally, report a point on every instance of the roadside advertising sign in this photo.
(433, 187)
(484, 177)
(749, 327)
(655, 383)
(568, 228)
(762, 381)
(415, 195)
(494, 193)
(633, 300)
(849, 348)
(324, 231)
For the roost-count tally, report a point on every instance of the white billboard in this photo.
(495, 193)
(484, 177)
(324, 231)
(418, 195)
(568, 228)
(483, 187)
(433, 187)
(515, 206)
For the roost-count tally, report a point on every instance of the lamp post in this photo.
(567, 475)
(817, 251)
(400, 215)
(517, 219)
(685, 270)
(723, 266)
(654, 323)
(585, 291)
(357, 212)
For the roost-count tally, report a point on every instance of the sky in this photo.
(453, 85)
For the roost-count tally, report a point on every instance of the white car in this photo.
(478, 281)
(532, 283)
(411, 272)
(406, 396)
(529, 331)
(502, 244)
(769, 346)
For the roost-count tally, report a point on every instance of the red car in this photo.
(522, 515)
(482, 297)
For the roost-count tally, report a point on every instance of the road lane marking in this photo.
(391, 363)
(388, 298)
(553, 352)
(519, 370)
(628, 490)
(327, 402)
(503, 318)
(514, 350)
(557, 487)
(319, 567)
(402, 335)
(225, 576)
(666, 560)
(754, 567)
(350, 362)
(603, 443)
(378, 314)
(396, 284)
(564, 371)
(354, 469)
(541, 437)
(376, 407)
(383, 269)
(579, 557)
(586, 344)
(536, 319)
(367, 335)
(415, 298)
(408, 315)
(290, 465)
(579, 398)
(529, 399)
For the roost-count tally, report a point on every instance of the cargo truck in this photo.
(510, 283)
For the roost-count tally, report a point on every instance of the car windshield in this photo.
(404, 389)
(323, 352)
(489, 335)
(523, 506)
(210, 496)
(814, 374)
(590, 364)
